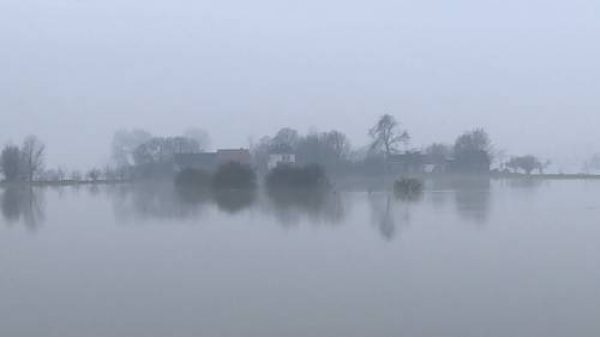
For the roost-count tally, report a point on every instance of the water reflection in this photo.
(317, 205)
(164, 201)
(525, 183)
(471, 196)
(470, 199)
(233, 201)
(151, 202)
(388, 212)
(23, 204)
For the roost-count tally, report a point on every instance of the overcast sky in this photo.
(74, 71)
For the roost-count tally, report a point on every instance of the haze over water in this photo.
(470, 258)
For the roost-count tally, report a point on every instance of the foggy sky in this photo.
(74, 71)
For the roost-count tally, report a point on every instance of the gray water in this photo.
(474, 258)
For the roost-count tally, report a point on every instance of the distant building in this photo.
(210, 161)
(241, 156)
(276, 159)
(408, 162)
(281, 154)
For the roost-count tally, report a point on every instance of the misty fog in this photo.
(74, 72)
(204, 168)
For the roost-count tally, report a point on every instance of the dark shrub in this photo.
(193, 179)
(311, 176)
(193, 185)
(408, 188)
(234, 176)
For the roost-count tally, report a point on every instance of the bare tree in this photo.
(9, 161)
(161, 149)
(387, 136)
(438, 154)
(94, 174)
(32, 157)
(200, 136)
(286, 137)
(124, 143)
(338, 143)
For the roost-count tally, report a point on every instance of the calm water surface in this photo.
(477, 258)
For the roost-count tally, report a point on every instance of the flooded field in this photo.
(464, 259)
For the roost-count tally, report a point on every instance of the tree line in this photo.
(136, 150)
(25, 162)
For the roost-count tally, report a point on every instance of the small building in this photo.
(277, 159)
(210, 161)
(241, 156)
(408, 162)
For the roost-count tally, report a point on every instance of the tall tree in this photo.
(387, 135)
(327, 149)
(473, 151)
(338, 144)
(438, 154)
(10, 162)
(32, 157)
(286, 137)
(160, 150)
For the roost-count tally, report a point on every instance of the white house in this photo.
(276, 159)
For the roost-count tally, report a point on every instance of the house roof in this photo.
(236, 155)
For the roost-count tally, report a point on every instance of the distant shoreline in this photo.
(63, 183)
(551, 176)
(491, 176)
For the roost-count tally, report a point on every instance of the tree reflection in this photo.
(472, 197)
(233, 201)
(153, 201)
(384, 213)
(165, 201)
(23, 204)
